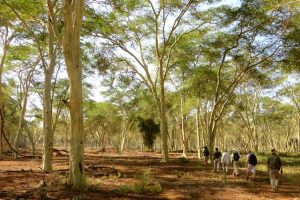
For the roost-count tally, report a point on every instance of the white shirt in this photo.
(225, 157)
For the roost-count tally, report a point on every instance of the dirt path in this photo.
(179, 179)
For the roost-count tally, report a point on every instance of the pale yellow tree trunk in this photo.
(73, 13)
(198, 128)
(183, 131)
(123, 130)
(163, 121)
(48, 132)
(48, 127)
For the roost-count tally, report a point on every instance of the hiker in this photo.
(225, 160)
(217, 158)
(235, 161)
(274, 166)
(251, 163)
(206, 155)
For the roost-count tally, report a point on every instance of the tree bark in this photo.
(7, 41)
(198, 128)
(31, 142)
(183, 131)
(163, 121)
(25, 90)
(47, 123)
(298, 147)
(73, 14)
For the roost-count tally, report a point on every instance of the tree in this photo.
(37, 11)
(147, 42)
(234, 52)
(8, 33)
(103, 122)
(149, 130)
(73, 14)
(122, 89)
(247, 107)
(291, 91)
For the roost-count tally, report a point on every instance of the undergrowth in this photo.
(143, 185)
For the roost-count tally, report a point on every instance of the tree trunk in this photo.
(31, 142)
(198, 128)
(256, 136)
(47, 126)
(183, 131)
(211, 137)
(20, 125)
(163, 121)
(25, 89)
(123, 137)
(298, 148)
(123, 131)
(173, 133)
(1, 128)
(73, 13)
(47, 123)
(4, 53)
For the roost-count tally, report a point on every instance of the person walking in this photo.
(251, 163)
(225, 160)
(235, 161)
(206, 155)
(274, 165)
(217, 159)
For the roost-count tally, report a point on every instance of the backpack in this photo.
(252, 159)
(236, 156)
(217, 155)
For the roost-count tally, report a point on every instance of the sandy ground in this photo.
(179, 179)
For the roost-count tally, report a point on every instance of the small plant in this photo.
(124, 189)
(156, 188)
(55, 180)
(183, 160)
(292, 179)
(143, 186)
(179, 174)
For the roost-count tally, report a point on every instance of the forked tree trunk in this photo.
(25, 89)
(73, 13)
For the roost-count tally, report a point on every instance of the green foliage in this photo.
(149, 130)
(143, 186)
(183, 160)
(55, 181)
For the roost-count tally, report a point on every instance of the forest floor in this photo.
(135, 175)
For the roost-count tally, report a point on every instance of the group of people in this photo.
(274, 164)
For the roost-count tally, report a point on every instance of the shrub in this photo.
(143, 186)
